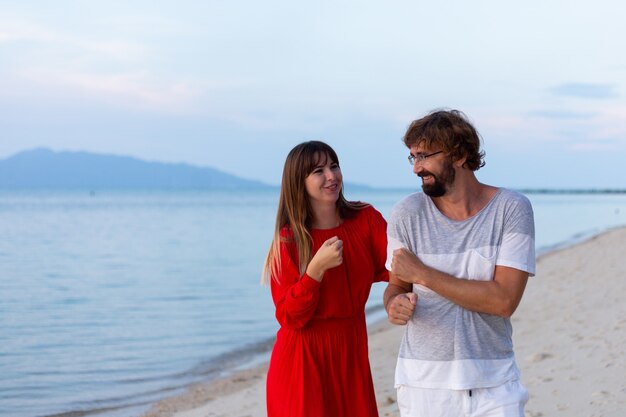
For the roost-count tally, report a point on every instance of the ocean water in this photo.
(112, 300)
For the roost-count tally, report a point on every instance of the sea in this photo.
(111, 300)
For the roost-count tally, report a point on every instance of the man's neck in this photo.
(465, 198)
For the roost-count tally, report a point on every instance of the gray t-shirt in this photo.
(445, 345)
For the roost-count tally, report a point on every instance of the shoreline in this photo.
(569, 333)
(230, 396)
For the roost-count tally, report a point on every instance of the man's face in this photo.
(436, 171)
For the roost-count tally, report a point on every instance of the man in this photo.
(460, 254)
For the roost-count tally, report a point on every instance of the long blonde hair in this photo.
(294, 207)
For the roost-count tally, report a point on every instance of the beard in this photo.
(440, 183)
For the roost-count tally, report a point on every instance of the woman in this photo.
(325, 255)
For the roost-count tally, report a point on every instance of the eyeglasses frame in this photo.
(421, 158)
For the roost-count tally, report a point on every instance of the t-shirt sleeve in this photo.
(518, 240)
(396, 235)
(295, 296)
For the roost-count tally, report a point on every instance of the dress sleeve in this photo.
(378, 227)
(295, 296)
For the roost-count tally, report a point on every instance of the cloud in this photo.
(594, 147)
(612, 124)
(130, 89)
(101, 67)
(562, 114)
(41, 44)
(585, 90)
(16, 30)
(605, 131)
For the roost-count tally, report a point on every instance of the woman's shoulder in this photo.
(358, 209)
(370, 210)
(367, 213)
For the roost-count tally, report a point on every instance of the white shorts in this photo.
(507, 400)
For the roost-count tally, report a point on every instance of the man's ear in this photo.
(460, 162)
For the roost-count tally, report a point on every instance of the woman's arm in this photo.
(296, 296)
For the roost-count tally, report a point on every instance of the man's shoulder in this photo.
(408, 209)
(409, 203)
(508, 196)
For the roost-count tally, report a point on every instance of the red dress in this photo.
(319, 365)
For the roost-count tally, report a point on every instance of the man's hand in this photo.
(400, 308)
(406, 266)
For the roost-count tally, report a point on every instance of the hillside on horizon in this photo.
(45, 168)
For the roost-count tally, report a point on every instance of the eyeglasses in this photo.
(419, 158)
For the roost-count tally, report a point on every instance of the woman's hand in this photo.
(328, 256)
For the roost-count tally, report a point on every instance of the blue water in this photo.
(112, 300)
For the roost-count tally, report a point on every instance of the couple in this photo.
(457, 258)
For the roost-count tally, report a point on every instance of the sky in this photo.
(236, 84)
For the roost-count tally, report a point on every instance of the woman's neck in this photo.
(326, 217)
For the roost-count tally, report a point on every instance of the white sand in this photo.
(569, 335)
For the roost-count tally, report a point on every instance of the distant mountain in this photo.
(44, 168)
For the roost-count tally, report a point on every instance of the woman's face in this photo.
(323, 184)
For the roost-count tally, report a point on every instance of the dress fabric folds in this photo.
(319, 365)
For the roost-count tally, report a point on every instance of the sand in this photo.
(569, 336)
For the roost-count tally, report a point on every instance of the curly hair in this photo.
(452, 132)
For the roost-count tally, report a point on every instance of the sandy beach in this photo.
(569, 335)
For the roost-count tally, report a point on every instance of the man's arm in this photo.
(399, 300)
(500, 296)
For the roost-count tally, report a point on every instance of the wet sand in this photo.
(569, 336)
